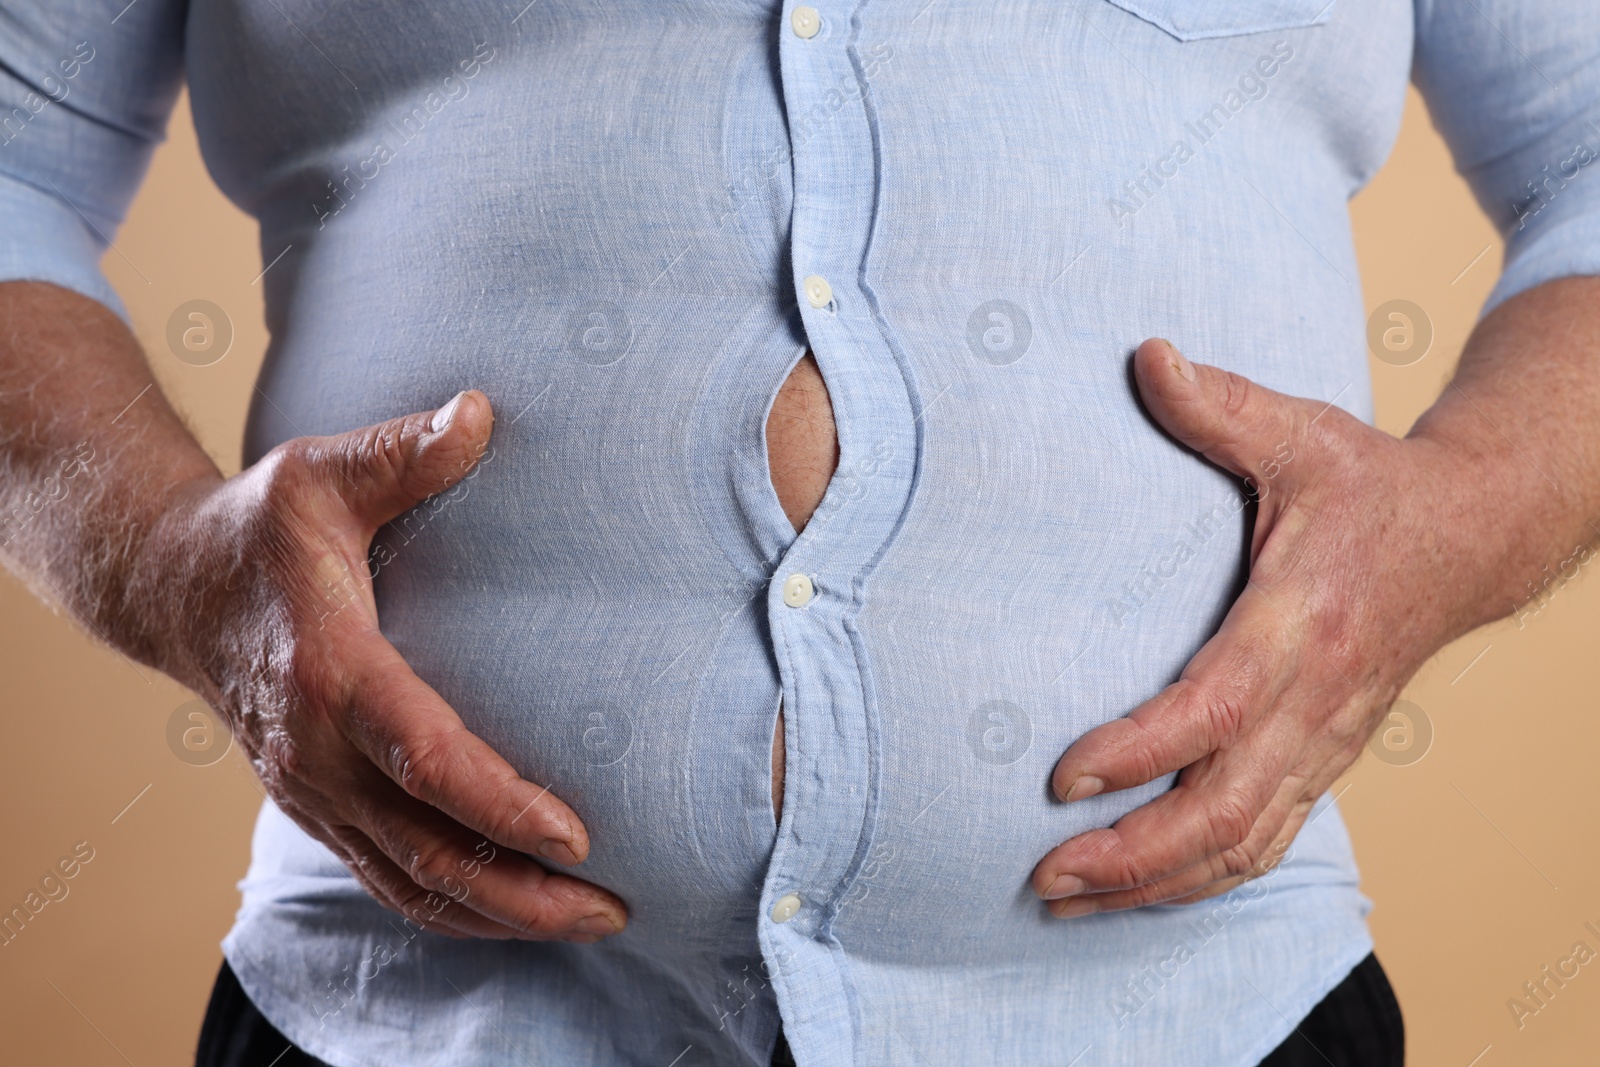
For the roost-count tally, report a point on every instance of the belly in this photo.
(591, 601)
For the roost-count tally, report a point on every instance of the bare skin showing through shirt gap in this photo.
(802, 453)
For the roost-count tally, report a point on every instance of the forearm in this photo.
(1519, 416)
(91, 454)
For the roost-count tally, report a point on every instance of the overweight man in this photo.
(844, 533)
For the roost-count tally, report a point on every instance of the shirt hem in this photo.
(260, 990)
(1308, 999)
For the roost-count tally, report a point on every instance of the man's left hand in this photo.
(1363, 564)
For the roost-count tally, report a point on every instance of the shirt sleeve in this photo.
(85, 92)
(1514, 88)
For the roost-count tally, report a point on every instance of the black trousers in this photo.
(1358, 1024)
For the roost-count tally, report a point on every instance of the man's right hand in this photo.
(255, 591)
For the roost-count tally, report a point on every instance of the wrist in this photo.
(1503, 528)
(146, 590)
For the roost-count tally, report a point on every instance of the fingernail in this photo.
(1086, 785)
(442, 417)
(1183, 366)
(600, 925)
(1065, 885)
(1071, 909)
(558, 851)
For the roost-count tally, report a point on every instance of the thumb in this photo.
(385, 470)
(1230, 420)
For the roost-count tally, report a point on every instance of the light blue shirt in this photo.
(613, 217)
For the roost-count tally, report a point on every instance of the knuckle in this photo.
(1340, 636)
(1102, 846)
(1147, 766)
(373, 878)
(1232, 818)
(371, 872)
(505, 820)
(1329, 434)
(432, 866)
(420, 765)
(1237, 393)
(1102, 858)
(538, 916)
(1226, 700)
(378, 452)
(422, 906)
(1240, 861)
(1143, 752)
(285, 472)
(1223, 712)
(281, 759)
(1120, 864)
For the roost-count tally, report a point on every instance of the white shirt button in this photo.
(806, 22)
(797, 590)
(818, 291)
(786, 907)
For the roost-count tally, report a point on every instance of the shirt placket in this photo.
(819, 587)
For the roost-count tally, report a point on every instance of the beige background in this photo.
(1480, 856)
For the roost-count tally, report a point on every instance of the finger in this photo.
(1221, 695)
(1210, 812)
(441, 856)
(367, 864)
(1225, 417)
(406, 729)
(338, 840)
(389, 885)
(1269, 842)
(1275, 853)
(382, 471)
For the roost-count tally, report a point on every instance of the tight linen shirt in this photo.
(625, 221)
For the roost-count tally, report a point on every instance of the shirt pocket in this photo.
(1194, 20)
